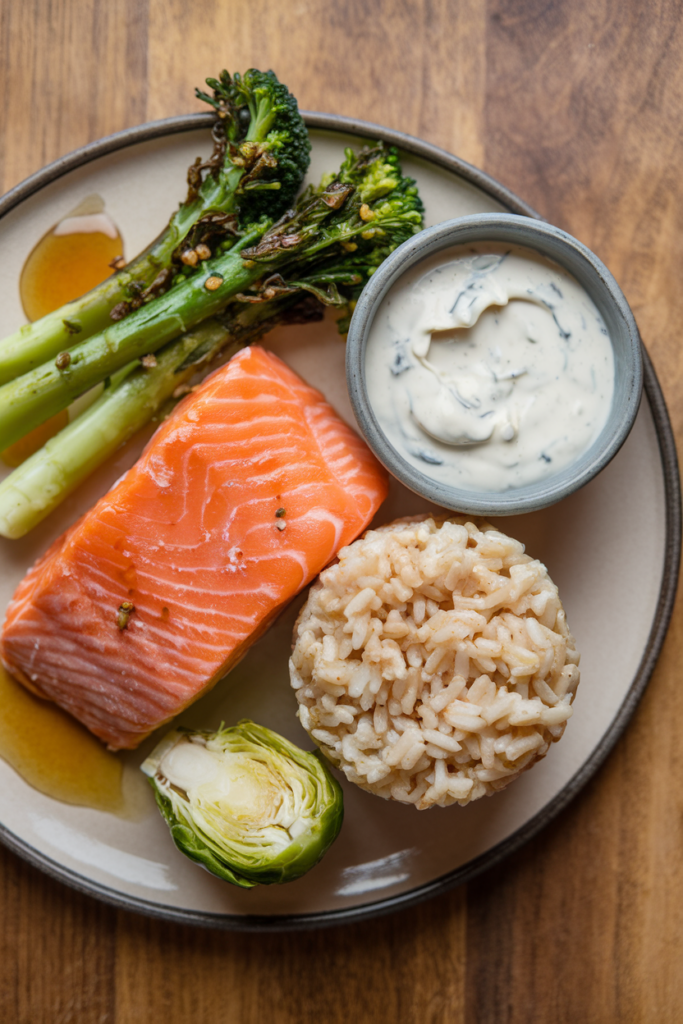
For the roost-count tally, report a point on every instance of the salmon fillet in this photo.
(189, 537)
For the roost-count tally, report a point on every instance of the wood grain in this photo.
(334, 57)
(57, 950)
(289, 979)
(70, 72)
(577, 107)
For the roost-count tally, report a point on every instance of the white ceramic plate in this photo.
(612, 548)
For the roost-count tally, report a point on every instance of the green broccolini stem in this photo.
(36, 396)
(35, 343)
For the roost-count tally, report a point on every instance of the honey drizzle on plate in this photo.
(54, 753)
(70, 259)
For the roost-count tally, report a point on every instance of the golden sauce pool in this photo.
(70, 259)
(50, 750)
(54, 753)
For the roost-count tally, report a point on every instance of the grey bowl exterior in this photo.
(597, 281)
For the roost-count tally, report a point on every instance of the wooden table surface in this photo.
(576, 106)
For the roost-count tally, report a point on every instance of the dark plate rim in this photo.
(662, 617)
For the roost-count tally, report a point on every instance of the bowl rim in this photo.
(546, 239)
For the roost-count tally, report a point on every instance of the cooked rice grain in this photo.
(432, 662)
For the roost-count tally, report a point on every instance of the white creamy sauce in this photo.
(488, 367)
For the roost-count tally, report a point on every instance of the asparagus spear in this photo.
(367, 202)
(330, 272)
(261, 153)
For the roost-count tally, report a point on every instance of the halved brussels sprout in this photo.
(247, 804)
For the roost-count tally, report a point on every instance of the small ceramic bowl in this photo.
(597, 281)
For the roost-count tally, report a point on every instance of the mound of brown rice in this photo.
(433, 663)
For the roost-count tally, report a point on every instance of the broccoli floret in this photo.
(375, 171)
(266, 135)
(369, 201)
(285, 138)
